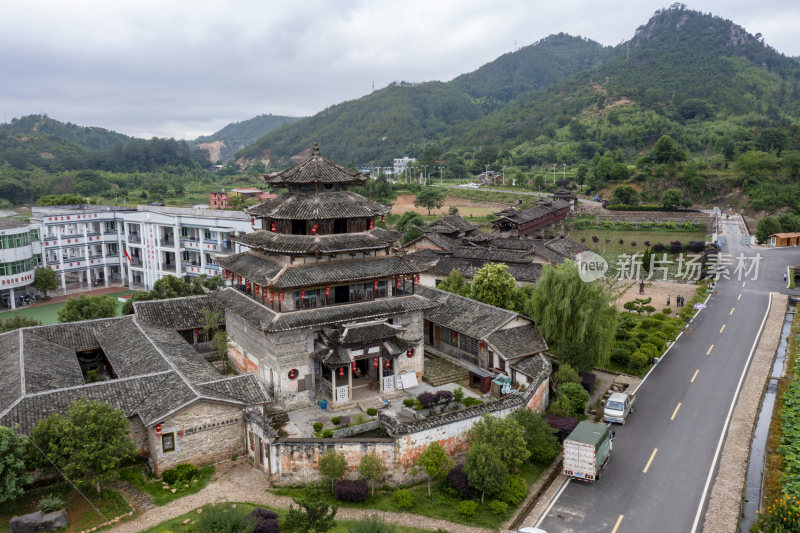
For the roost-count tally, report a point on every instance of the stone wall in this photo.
(139, 434)
(205, 432)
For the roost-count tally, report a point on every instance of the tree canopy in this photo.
(503, 435)
(16, 321)
(485, 469)
(434, 462)
(493, 285)
(44, 280)
(87, 308)
(13, 473)
(429, 198)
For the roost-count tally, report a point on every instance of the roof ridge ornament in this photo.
(315, 150)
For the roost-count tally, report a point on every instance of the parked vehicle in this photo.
(618, 406)
(587, 451)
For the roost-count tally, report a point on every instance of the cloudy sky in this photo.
(186, 68)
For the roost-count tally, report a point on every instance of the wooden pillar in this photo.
(380, 373)
(349, 383)
(333, 384)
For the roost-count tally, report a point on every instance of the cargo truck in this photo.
(587, 451)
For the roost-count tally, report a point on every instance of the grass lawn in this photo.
(628, 237)
(175, 525)
(442, 505)
(80, 514)
(48, 313)
(154, 487)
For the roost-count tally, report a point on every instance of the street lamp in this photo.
(426, 174)
(441, 175)
(554, 173)
(565, 171)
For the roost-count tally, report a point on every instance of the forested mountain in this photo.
(224, 144)
(398, 120)
(88, 137)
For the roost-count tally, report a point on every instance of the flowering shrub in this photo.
(564, 425)
(444, 395)
(782, 516)
(263, 514)
(458, 479)
(351, 490)
(587, 380)
(427, 399)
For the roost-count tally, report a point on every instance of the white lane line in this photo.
(552, 503)
(728, 419)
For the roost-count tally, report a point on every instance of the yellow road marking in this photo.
(695, 375)
(722, 328)
(739, 297)
(616, 526)
(709, 349)
(732, 310)
(675, 412)
(647, 466)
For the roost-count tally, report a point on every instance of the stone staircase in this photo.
(439, 371)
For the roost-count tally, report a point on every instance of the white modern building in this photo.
(20, 254)
(400, 164)
(91, 245)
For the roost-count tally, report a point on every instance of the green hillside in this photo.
(87, 137)
(394, 121)
(238, 135)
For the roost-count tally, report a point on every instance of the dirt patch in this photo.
(214, 148)
(659, 291)
(465, 206)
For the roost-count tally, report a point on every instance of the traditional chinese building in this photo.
(322, 308)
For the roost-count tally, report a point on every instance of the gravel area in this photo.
(239, 482)
(725, 502)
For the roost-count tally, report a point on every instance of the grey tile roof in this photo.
(442, 241)
(525, 272)
(566, 246)
(180, 353)
(129, 351)
(533, 366)
(10, 223)
(317, 206)
(317, 169)
(451, 223)
(10, 378)
(542, 208)
(361, 333)
(281, 243)
(48, 365)
(265, 319)
(175, 313)
(426, 255)
(244, 388)
(464, 315)
(75, 335)
(250, 265)
(171, 393)
(342, 271)
(517, 342)
(489, 254)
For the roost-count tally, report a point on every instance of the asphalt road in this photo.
(517, 191)
(662, 457)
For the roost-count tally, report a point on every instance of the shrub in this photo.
(577, 396)
(427, 399)
(458, 479)
(621, 356)
(259, 513)
(50, 503)
(564, 425)
(561, 406)
(639, 360)
(317, 427)
(498, 507)
(327, 433)
(658, 247)
(696, 246)
(587, 381)
(409, 402)
(566, 374)
(467, 508)
(351, 490)
(372, 411)
(458, 394)
(404, 499)
(675, 247)
(469, 401)
(336, 420)
(217, 518)
(182, 472)
(444, 395)
(371, 525)
(667, 311)
(268, 525)
(658, 342)
(648, 323)
(660, 317)
(514, 491)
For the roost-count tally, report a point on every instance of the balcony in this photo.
(168, 241)
(168, 268)
(134, 237)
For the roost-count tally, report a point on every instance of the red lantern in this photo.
(416, 279)
(383, 218)
(454, 336)
(224, 270)
(354, 367)
(292, 373)
(252, 221)
(232, 274)
(410, 353)
(375, 362)
(341, 371)
(327, 291)
(271, 296)
(247, 286)
(482, 345)
(273, 227)
(397, 283)
(238, 280)
(388, 362)
(314, 229)
(371, 223)
(257, 290)
(374, 285)
(280, 297)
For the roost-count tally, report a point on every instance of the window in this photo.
(168, 442)
(207, 233)
(469, 345)
(449, 336)
(309, 301)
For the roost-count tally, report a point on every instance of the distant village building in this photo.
(490, 178)
(20, 255)
(400, 164)
(784, 239)
(218, 200)
(545, 212)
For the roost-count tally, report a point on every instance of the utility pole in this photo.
(554, 173)
(441, 175)
(565, 171)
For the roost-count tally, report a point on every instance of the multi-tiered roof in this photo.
(318, 245)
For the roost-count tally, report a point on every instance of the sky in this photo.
(184, 68)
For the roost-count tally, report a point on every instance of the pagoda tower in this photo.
(320, 306)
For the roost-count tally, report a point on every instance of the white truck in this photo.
(587, 451)
(618, 406)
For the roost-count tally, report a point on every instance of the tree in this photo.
(455, 283)
(666, 150)
(503, 435)
(212, 322)
(577, 397)
(13, 474)
(485, 470)
(312, 512)
(566, 308)
(672, 198)
(371, 469)
(408, 220)
(332, 466)
(566, 374)
(493, 285)
(581, 174)
(574, 356)
(647, 259)
(87, 308)
(540, 438)
(410, 235)
(767, 226)
(17, 321)
(44, 280)
(90, 443)
(625, 195)
(429, 198)
(640, 305)
(434, 462)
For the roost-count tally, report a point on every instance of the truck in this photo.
(587, 451)
(618, 406)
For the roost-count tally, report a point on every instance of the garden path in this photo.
(239, 482)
